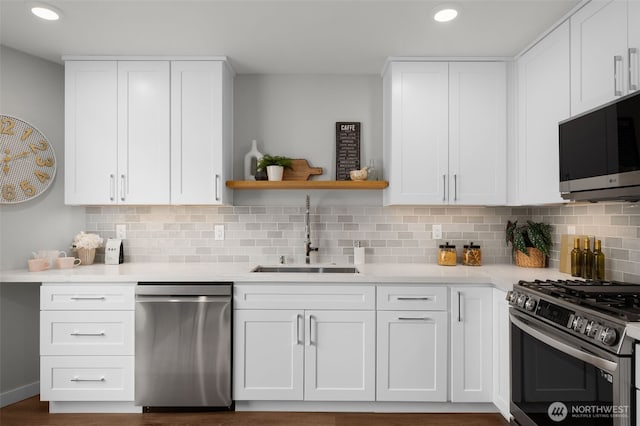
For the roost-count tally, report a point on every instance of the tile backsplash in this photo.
(262, 234)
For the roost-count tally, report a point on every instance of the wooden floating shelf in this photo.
(307, 184)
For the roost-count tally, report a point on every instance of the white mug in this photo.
(67, 262)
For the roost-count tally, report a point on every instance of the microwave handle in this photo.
(603, 364)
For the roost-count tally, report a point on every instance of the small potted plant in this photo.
(531, 243)
(274, 165)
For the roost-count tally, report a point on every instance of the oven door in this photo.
(557, 378)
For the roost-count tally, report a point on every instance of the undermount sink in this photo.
(308, 269)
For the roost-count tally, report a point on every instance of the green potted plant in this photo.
(274, 165)
(531, 242)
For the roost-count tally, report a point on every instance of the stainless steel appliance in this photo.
(183, 345)
(571, 360)
(600, 152)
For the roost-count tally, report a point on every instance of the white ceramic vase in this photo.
(275, 172)
(251, 160)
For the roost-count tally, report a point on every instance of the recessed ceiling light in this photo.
(445, 13)
(45, 11)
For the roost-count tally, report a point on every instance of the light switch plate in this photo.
(436, 230)
(218, 232)
(121, 232)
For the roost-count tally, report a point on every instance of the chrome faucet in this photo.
(307, 231)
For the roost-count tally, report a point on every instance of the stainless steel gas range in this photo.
(571, 359)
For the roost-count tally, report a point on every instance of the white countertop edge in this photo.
(500, 276)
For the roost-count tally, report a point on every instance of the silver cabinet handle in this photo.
(459, 306)
(217, 185)
(299, 341)
(414, 298)
(77, 379)
(616, 59)
(77, 333)
(632, 51)
(88, 298)
(123, 186)
(112, 187)
(455, 187)
(444, 187)
(414, 319)
(312, 341)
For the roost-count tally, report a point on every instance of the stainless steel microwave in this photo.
(600, 153)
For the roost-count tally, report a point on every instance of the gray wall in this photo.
(31, 89)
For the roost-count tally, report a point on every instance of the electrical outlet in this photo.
(436, 231)
(218, 232)
(121, 232)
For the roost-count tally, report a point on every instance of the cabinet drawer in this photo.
(407, 298)
(88, 297)
(86, 378)
(86, 332)
(302, 296)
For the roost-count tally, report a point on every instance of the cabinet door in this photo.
(143, 132)
(268, 355)
(633, 45)
(197, 132)
(477, 133)
(471, 344)
(543, 100)
(340, 356)
(412, 356)
(416, 139)
(502, 353)
(598, 54)
(91, 136)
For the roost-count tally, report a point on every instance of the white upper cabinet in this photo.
(445, 132)
(543, 80)
(604, 40)
(201, 132)
(147, 132)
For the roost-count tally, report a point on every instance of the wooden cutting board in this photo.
(566, 245)
(300, 170)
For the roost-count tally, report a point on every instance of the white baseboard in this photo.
(18, 394)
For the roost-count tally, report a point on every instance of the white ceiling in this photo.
(280, 36)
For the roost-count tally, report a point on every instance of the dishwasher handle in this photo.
(183, 298)
(186, 289)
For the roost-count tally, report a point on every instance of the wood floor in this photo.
(32, 412)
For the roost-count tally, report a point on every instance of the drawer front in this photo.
(335, 297)
(87, 332)
(409, 298)
(86, 378)
(88, 297)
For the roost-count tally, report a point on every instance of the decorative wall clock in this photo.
(27, 161)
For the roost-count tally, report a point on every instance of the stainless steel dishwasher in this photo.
(183, 345)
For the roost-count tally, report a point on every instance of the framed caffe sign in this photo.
(347, 149)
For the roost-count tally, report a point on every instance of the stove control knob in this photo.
(592, 329)
(576, 323)
(521, 299)
(530, 305)
(513, 297)
(608, 336)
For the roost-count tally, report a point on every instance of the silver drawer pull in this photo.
(414, 319)
(77, 379)
(88, 298)
(414, 298)
(77, 333)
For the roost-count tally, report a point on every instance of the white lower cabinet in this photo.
(315, 354)
(412, 356)
(471, 344)
(501, 353)
(87, 342)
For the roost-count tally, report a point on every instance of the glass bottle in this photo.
(598, 262)
(371, 171)
(587, 260)
(576, 259)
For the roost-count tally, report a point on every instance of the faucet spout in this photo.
(307, 231)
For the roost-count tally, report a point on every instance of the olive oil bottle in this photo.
(576, 259)
(587, 260)
(598, 262)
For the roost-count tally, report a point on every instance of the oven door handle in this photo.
(596, 361)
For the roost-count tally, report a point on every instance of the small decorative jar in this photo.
(86, 255)
(447, 255)
(472, 255)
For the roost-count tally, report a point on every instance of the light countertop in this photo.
(501, 276)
